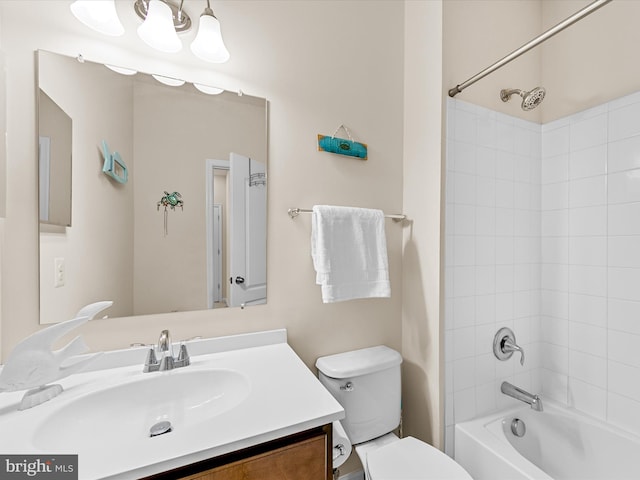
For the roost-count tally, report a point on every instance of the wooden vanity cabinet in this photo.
(303, 456)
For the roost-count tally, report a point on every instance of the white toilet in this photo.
(367, 384)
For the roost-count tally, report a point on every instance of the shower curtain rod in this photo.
(592, 7)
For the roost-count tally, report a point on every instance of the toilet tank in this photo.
(366, 383)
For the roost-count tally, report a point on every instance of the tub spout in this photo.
(534, 400)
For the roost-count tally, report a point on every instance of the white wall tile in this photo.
(555, 222)
(464, 340)
(555, 358)
(624, 348)
(588, 162)
(624, 187)
(591, 221)
(588, 251)
(464, 374)
(588, 133)
(464, 158)
(555, 142)
(623, 283)
(624, 315)
(588, 368)
(588, 280)
(624, 154)
(465, 126)
(554, 169)
(587, 398)
(587, 338)
(465, 188)
(486, 162)
(624, 251)
(586, 192)
(623, 380)
(588, 309)
(555, 196)
(623, 122)
(624, 219)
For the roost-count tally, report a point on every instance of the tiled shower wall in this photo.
(492, 265)
(582, 316)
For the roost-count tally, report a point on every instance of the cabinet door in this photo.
(304, 460)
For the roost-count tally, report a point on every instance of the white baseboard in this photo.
(357, 475)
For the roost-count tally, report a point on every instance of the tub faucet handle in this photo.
(509, 346)
(504, 344)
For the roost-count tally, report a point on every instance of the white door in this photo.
(248, 233)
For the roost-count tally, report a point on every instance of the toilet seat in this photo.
(412, 459)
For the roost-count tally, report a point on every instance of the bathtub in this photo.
(558, 444)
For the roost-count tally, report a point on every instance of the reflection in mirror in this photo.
(54, 162)
(171, 139)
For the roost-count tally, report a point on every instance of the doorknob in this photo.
(239, 279)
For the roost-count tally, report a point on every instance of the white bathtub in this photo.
(559, 444)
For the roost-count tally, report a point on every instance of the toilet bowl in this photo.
(367, 384)
(407, 459)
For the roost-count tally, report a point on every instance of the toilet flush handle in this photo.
(347, 387)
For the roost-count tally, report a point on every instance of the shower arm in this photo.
(592, 7)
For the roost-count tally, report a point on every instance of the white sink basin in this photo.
(183, 397)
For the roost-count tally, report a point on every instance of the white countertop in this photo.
(285, 398)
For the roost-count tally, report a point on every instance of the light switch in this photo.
(58, 272)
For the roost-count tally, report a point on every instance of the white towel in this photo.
(349, 252)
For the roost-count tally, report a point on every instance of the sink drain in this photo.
(160, 428)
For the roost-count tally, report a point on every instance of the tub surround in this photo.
(560, 443)
(282, 397)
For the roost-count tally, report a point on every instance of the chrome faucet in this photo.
(534, 400)
(164, 351)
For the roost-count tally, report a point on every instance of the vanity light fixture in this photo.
(99, 15)
(162, 21)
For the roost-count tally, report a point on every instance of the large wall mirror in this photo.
(168, 195)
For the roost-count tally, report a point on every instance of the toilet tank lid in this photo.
(358, 362)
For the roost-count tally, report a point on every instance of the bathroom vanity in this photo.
(246, 407)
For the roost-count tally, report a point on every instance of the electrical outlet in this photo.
(58, 272)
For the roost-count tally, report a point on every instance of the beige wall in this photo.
(421, 316)
(593, 61)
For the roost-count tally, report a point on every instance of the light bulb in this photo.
(207, 89)
(208, 44)
(121, 70)
(172, 82)
(99, 15)
(158, 30)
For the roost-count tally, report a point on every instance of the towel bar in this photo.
(294, 212)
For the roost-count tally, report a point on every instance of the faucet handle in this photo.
(183, 356)
(504, 344)
(509, 346)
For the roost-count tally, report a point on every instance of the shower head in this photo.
(530, 99)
